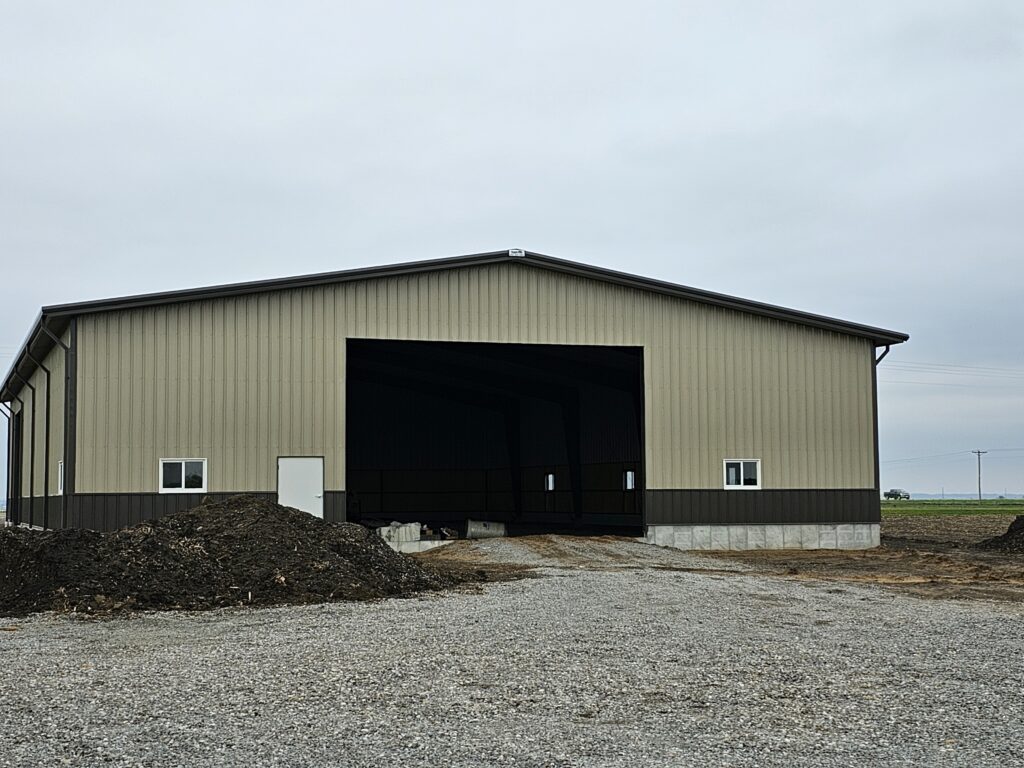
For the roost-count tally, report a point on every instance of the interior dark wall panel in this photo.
(334, 506)
(35, 511)
(721, 507)
(442, 432)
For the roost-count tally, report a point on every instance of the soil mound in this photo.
(238, 551)
(1011, 541)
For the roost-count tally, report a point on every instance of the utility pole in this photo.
(979, 453)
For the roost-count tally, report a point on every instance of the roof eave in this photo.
(7, 392)
(274, 284)
(881, 336)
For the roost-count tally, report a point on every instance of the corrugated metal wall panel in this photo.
(778, 507)
(242, 380)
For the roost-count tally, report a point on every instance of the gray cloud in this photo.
(860, 161)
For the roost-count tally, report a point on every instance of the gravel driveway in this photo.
(600, 661)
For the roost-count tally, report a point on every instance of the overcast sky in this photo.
(860, 160)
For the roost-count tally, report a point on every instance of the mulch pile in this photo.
(1011, 541)
(238, 551)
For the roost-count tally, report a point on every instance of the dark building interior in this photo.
(545, 438)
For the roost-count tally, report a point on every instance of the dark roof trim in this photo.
(879, 336)
(276, 284)
(36, 345)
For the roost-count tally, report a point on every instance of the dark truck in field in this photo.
(896, 494)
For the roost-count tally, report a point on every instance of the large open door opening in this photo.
(541, 437)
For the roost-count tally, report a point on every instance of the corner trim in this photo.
(874, 425)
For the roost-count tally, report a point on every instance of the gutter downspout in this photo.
(46, 443)
(67, 454)
(5, 410)
(10, 455)
(32, 450)
(874, 415)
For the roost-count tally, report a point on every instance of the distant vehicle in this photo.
(897, 494)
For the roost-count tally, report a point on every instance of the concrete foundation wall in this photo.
(723, 537)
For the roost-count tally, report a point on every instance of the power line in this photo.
(953, 371)
(1012, 372)
(943, 458)
(956, 366)
(927, 383)
(919, 458)
(961, 375)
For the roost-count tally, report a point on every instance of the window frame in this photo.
(183, 489)
(741, 487)
(60, 477)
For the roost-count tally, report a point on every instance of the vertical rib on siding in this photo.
(243, 380)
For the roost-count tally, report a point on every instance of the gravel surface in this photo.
(589, 666)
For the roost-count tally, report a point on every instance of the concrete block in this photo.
(484, 529)
(737, 536)
(876, 535)
(864, 536)
(844, 536)
(773, 537)
(683, 537)
(827, 537)
(791, 537)
(809, 536)
(400, 533)
(663, 535)
(719, 537)
(701, 537)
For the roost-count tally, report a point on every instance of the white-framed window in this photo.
(182, 476)
(60, 477)
(742, 474)
(549, 481)
(629, 480)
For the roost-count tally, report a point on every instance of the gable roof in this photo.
(56, 317)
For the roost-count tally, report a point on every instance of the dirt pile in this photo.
(1011, 541)
(239, 551)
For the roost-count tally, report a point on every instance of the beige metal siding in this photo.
(240, 381)
(55, 362)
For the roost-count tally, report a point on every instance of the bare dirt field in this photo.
(928, 556)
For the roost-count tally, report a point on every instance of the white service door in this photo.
(300, 483)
